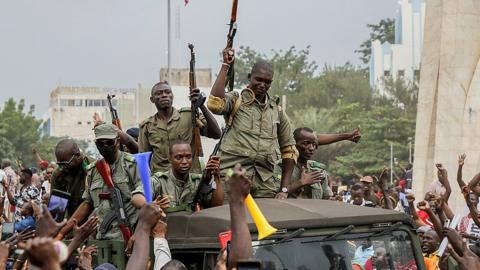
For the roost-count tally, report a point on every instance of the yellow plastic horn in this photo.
(263, 227)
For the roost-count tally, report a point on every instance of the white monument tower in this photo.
(448, 122)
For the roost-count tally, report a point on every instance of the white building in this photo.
(71, 109)
(401, 59)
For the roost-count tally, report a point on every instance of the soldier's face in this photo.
(306, 145)
(162, 96)
(107, 147)
(181, 158)
(260, 81)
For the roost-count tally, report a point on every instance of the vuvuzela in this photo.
(263, 227)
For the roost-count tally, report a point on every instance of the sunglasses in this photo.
(67, 163)
(105, 143)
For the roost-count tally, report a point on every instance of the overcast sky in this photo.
(121, 43)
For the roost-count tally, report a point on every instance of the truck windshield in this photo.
(349, 252)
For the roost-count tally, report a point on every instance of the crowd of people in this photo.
(260, 153)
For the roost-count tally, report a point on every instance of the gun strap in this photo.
(236, 107)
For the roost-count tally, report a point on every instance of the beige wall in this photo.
(448, 121)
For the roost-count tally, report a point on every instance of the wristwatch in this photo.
(284, 190)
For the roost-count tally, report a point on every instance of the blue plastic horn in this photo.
(143, 165)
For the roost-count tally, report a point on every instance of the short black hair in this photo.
(261, 64)
(27, 171)
(164, 82)
(66, 145)
(176, 142)
(296, 132)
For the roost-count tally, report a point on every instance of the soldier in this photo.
(125, 177)
(71, 172)
(169, 124)
(259, 130)
(180, 185)
(309, 178)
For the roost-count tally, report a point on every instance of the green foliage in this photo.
(339, 99)
(19, 134)
(19, 128)
(383, 31)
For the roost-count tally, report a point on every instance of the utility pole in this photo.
(169, 49)
(391, 163)
(410, 150)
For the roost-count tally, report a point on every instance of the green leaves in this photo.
(18, 130)
(338, 99)
(383, 31)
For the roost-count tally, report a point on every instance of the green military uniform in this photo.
(180, 194)
(257, 132)
(155, 135)
(315, 191)
(71, 182)
(126, 178)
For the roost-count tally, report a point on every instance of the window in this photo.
(78, 103)
(79, 122)
(386, 73)
(89, 123)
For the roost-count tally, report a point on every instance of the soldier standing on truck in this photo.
(169, 124)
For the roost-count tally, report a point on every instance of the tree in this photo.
(383, 31)
(339, 99)
(20, 128)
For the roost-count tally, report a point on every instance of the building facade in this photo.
(401, 59)
(71, 109)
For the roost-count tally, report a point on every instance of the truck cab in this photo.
(312, 234)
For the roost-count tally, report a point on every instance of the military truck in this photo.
(312, 234)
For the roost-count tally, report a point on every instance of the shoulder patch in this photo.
(129, 157)
(195, 176)
(316, 165)
(90, 166)
(185, 109)
(161, 174)
(146, 121)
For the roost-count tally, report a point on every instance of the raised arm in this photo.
(353, 136)
(355, 173)
(384, 189)
(147, 219)
(218, 89)
(241, 239)
(473, 184)
(461, 161)
(212, 130)
(413, 212)
(437, 224)
(443, 179)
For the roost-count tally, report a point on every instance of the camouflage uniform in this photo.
(257, 134)
(126, 178)
(73, 183)
(180, 194)
(155, 135)
(315, 191)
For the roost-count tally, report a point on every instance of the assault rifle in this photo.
(196, 142)
(113, 111)
(115, 195)
(232, 30)
(204, 187)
